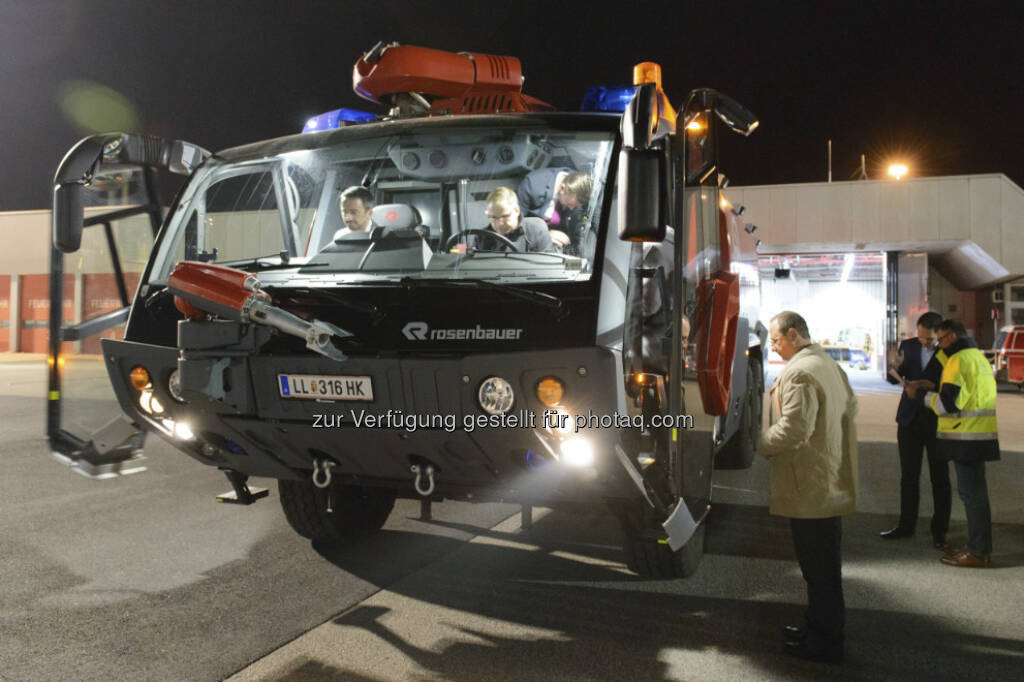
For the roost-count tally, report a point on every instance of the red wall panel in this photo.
(100, 295)
(34, 309)
(5, 312)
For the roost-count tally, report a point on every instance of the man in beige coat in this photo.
(812, 447)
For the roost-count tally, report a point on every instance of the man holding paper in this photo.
(915, 434)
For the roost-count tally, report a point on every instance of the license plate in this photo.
(327, 387)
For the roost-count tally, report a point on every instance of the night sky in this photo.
(937, 84)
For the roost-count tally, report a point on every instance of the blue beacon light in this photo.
(338, 118)
(600, 98)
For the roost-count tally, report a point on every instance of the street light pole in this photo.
(830, 160)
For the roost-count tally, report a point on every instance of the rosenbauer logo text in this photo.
(421, 331)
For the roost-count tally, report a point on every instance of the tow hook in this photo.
(322, 472)
(418, 481)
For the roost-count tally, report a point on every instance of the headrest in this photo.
(396, 216)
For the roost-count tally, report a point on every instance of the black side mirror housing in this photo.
(641, 212)
(67, 217)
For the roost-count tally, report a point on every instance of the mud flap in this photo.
(638, 479)
(680, 525)
(114, 450)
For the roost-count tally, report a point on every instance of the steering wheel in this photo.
(483, 233)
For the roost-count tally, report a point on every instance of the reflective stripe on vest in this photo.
(977, 413)
(946, 435)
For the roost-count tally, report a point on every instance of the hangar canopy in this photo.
(970, 225)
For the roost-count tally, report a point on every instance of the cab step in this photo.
(241, 493)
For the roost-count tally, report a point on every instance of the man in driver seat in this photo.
(527, 234)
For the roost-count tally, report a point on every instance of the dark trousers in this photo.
(912, 446)
(818, 549)
(973, 489)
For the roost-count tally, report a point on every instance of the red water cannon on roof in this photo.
(421, 80)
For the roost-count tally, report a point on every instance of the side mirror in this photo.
(83, 160)
(67, 217)
(641, 212)
(737, 117)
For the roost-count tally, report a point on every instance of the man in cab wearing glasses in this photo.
(510, 227)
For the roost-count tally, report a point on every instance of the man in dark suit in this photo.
(915, 434)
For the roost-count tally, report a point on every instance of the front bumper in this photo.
(240, 421)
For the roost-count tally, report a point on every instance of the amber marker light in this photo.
(139, 378)
(695, 126)
(550, 391)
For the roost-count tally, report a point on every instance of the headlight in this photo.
(174, 386)
(495, 395)
(150, 403)
(577, 452)
(560, 421)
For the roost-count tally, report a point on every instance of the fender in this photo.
(718, 308)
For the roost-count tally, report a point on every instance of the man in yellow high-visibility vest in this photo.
(965, 403)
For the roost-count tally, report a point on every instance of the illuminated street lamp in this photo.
(897, 170)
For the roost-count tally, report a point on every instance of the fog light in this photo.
(182, 430)
(495, 395)
(577, 452)
(139, 378)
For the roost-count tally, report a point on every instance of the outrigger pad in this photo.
(114, 450)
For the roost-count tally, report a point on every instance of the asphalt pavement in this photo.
(146, 577)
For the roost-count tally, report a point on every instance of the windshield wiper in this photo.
(258, 265)
(478, 253)
(553, 303)
(375, 312)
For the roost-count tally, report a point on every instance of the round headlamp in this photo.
(174, 386)
(495, 395)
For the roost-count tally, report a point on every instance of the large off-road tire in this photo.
(655, 560)
(357, 511)
(739, 452)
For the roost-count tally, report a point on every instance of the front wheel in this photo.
(654, 559)
(356, 511)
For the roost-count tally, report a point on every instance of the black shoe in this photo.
(825, 654)
(939, 542)
(794, 633)
(896, 533)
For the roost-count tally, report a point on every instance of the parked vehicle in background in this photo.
(859, 359)
(1007, 355)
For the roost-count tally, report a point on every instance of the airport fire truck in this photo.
(426, 357)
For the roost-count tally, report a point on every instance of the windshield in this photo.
(508, 204)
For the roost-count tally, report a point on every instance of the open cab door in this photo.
(106, 214)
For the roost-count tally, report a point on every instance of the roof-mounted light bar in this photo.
(339, 118)
(600, 98)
